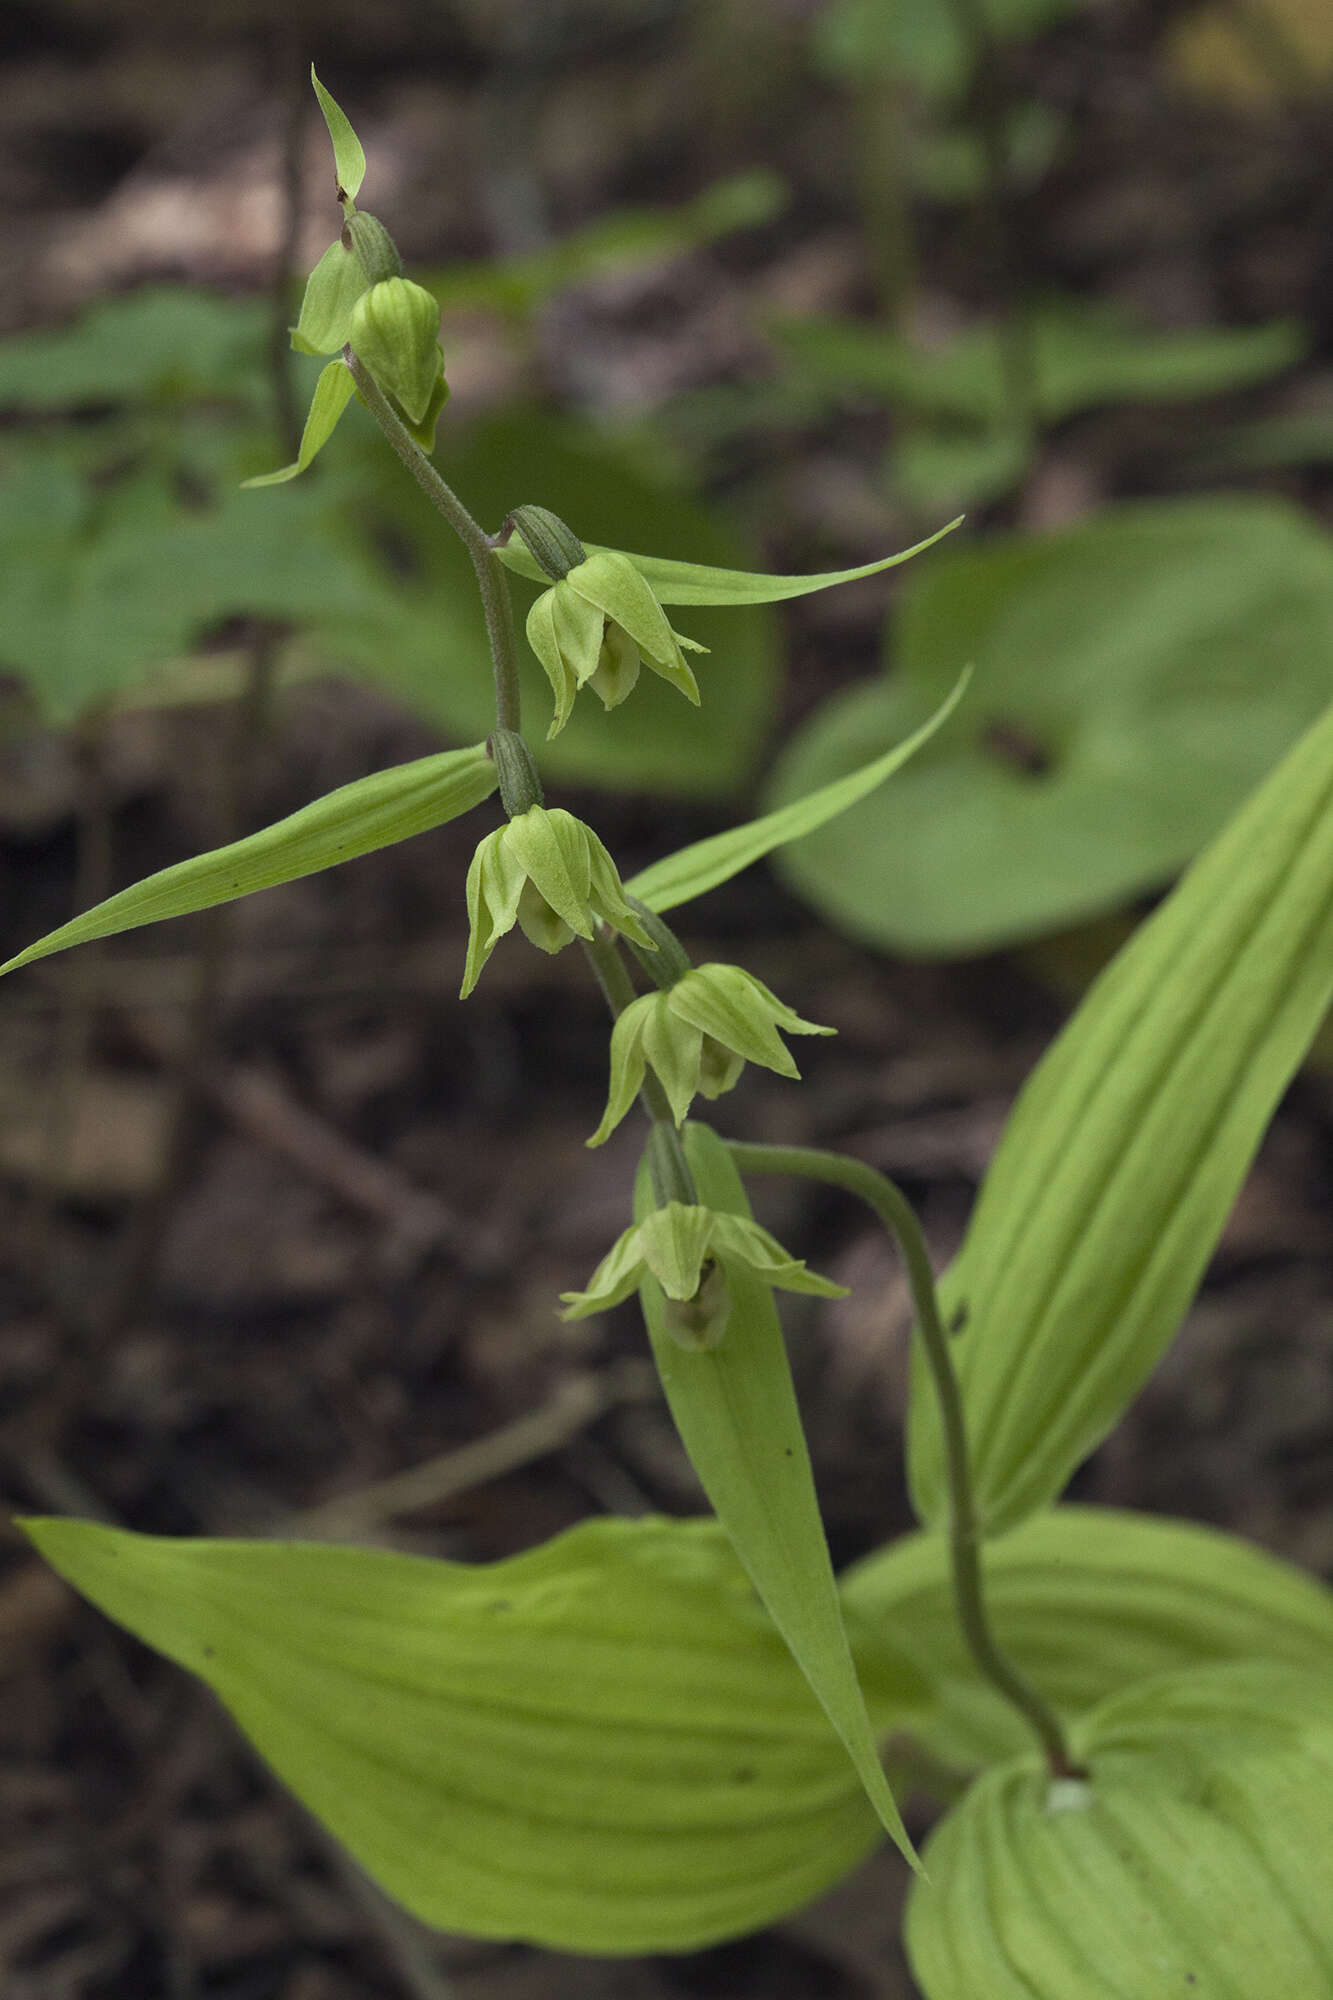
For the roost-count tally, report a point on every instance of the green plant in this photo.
(651, 1734)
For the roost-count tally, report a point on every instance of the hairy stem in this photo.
(896, 1213)
(492, 581)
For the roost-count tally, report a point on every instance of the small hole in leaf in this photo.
(1012, 744)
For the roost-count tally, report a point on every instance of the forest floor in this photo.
(381, 1190)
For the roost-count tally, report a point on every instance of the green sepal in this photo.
(740, 1012)
(675, 1244)
(700, 583)
(356, 819)
(331, 291)
(348, 158)
(424, 431)
(333, 392)
(1121, 1160)
(1086, 1601)
(704, 864)
(599, 1746)
(1194, 1858)
(612, 583)
(735, 1409)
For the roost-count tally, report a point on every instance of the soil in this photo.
(341, 1261)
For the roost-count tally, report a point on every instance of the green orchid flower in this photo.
(697, 1035)
(596, 627)
(548, 873)
(688, 1251)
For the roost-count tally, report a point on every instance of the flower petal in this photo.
(674, 1242)
(735, 1236)
(627, 1066)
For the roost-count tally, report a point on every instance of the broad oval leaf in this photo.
(1135, 677)
(599, 1746)
(735, 1408)
(1087, 1601)
(371, 812)
(703, 584)
(1193, 1861)
(694, 870)
(1122, 1157)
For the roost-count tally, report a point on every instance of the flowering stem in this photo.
(896, 1213)
(491, 578)
(672, 1179)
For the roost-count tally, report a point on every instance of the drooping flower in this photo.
(688, 1250)
(697, 1035)
(548, 873)
(596, 627)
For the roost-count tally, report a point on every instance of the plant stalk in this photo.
(491, 579)
(896, 1213)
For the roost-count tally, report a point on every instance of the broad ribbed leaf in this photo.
(1088, 1601)
(1125, 1151)
(372, 812)
(601, 1746)
(699, 583)
(1193, 1861)
(348, 157)
(735, 1409)
(701, 866)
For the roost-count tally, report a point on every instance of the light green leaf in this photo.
(1087, 1601)
(1193, 1861)
(1121, 1160)
(333, 392)
(735, 1408)
(348, 157)
(693, 870)
(372, 812)
(700, 583)
(599, 1746)
(1135, 678)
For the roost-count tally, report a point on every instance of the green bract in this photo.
(735, 1408)
(698, 1035)
(373, 812)
(551, 875)
(1193, 1860)
(596, 626)
(680, 1246)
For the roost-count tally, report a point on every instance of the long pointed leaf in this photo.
(735, 1408)
(699, 583)
(706, 863)
(600, 1746)
(1127, 1148)
(372, 812)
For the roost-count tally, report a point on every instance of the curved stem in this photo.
(491, 578)
(896, 1213)
(672, 1179)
